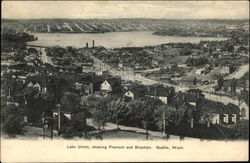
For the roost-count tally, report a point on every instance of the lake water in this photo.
(112, 40)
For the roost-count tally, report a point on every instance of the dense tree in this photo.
(146, 108)
(32, 50)
(70, 101)
(185, 52)
(197, 61)
(117, 111)
(14, 41)
(163, 117)
(56, 51)
(99, 110)
(12, 119)
(242, 128)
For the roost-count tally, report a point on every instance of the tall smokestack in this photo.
(87, 45)
(93, 43)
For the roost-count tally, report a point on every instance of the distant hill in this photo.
(119, 25)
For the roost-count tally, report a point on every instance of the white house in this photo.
(164, 99)
(215, 118)
(30, 84)
(106, 86)
(130, 95)
(38, 86)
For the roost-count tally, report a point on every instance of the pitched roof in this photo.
(41, 79)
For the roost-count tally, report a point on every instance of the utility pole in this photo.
(51, 129)
(59, 118)
(43, 132)
(43, 125)
(25, 106)
(164, 122)
(84, 108)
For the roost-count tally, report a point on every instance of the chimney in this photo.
(93, 42)
(87, 45)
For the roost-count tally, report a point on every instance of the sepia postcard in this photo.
(124, 81)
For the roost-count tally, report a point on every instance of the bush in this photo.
(242, 128)
(74, 128)
(12, 119)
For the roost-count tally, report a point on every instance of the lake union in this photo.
(113, 39)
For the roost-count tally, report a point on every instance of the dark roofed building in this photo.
(220, 113)
(185, 97)
(165, 94)
(41, 82)
(84, 83)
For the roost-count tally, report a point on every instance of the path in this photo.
(48, 27)
(110, 25)
(94, 25)
(87, 27)
(67, 25)
(239, 72)
(112, 126)
(58, 27)
(79, 27)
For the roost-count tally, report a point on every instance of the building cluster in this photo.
(80, 76)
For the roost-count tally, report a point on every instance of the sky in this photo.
(126, 9)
